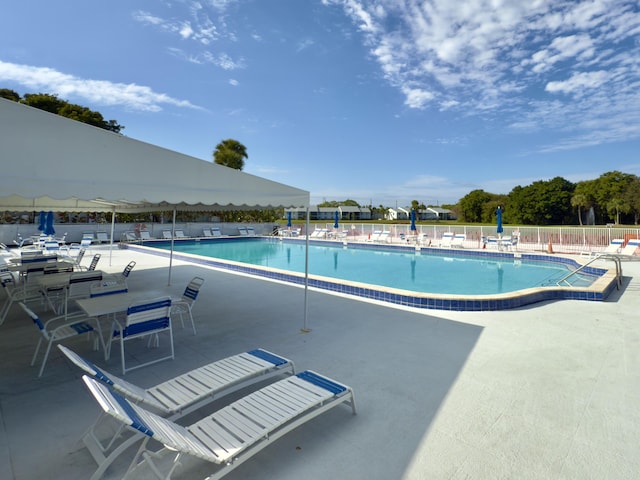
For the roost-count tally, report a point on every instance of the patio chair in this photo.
(94, 262)
(145, 235)
(180, 234)
(79, 287)
(184, 304)
(166, 234)
(251, 231)
(147, 318)
(177, 397)
(216, 232)
(16, 293)
(232, 435)
(127, 270)
(129, 237)
(243, 231)
(59, 328)
(207, 232)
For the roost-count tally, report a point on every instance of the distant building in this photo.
(328, 213)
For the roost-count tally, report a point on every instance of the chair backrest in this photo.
(80, 284)
(207, 232)
(102, 236)
(145, 235)
(148, 316)
(128, 268)
(80, 256)
(86, 242)
(51, 246)
(215, 231)
(180, 234)
(166, 234)
(94, 262)
(193, 288)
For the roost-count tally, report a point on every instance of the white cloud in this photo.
(520, 59)
(100, 92)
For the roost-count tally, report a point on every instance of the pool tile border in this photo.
(599, 291)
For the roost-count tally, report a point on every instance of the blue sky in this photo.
(380, 101)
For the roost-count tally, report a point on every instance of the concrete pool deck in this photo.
(546, 391)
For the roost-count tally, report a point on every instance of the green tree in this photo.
(472, 204)
(632, 198)
(542, 203)
(609, 193)
(9, 94)
(53, 104)
(230, 153)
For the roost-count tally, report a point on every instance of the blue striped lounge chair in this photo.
(176, 397)
(231, 435)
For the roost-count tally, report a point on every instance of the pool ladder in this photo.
(615, 259)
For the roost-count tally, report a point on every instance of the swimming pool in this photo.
(428, 278)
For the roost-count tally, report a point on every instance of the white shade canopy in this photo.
(53, 163)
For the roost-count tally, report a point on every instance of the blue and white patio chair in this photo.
(184, 304)
(94, 262)
(447, 238)
(148, 318)
(176, 397)
(59, 328)
(216, 232)
(243, 231)
(232, 435)
(79, 286)
(127, 270)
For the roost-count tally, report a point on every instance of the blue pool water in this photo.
(428, 271)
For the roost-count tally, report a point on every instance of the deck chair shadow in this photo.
(176, 397)
(183, 305)
(232, 435)
(61, 328)
(148, 318)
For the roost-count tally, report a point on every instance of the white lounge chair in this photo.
(630, 248)
(251, 231)
(374, 236)
(166, 234)
(145, 235)
(207, 232)
(180, 234)
(102, 237)
(178, 396)
(447, 238)
(615, 246)
(458, 240)
(216, 232)
(383, 237)
(231, 435)
(243, 231)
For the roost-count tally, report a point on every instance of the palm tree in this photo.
(230, 153)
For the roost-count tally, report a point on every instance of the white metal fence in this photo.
(563, 239)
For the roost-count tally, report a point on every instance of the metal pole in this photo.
(305, 328)
(173, 234)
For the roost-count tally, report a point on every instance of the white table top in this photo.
(109, 304)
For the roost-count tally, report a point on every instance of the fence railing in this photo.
(563, 239)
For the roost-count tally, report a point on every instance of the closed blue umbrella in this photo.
(43, 219)
(499, 220)
(413, 221)
(289, 219)
(336, 218)
(48, 228)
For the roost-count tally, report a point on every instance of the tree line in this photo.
(613, 197)
(53, 104)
